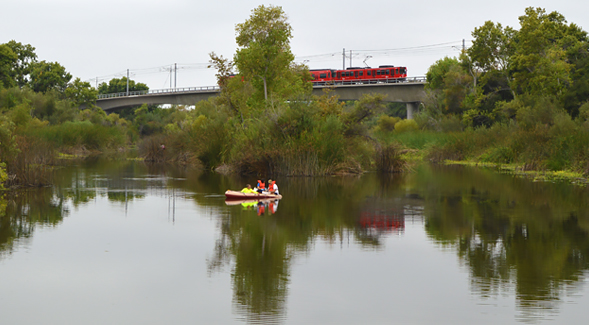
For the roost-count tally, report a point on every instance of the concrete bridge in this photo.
(410, 91)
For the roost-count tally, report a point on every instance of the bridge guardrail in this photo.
(217, 88)
(159, 92)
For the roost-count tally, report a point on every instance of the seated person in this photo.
(261, 187)
(248, 189)
(272, 187)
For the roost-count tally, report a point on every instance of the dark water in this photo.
(120, 242)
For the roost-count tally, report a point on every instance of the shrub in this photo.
(405, 126)
(387, 123)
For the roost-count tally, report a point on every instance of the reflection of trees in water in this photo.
(514, 235)
(23, 211)
(261, 249)
(262, 253)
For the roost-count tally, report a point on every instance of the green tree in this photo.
(264, 58)
(539, 63)
(22, 67)
(46, 76)
(7, 61)
(81, 93)
(116, 85)
(448, 85)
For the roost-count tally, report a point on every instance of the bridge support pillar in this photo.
(412, 108)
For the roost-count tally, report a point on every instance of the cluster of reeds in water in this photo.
(31, 164)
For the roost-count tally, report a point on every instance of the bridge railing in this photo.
(216, 88)
(159, 91)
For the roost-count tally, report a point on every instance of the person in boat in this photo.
(272, 187)
(248, 189)
(261, 187)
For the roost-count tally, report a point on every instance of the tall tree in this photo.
(46, 76)
(22, 67)
(264, 57)
(539, 64)
(7, 61)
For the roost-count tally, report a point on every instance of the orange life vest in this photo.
(271, 187)
(261, 185)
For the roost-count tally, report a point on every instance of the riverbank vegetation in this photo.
(515, 97)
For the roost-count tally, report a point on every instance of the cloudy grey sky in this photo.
(100, 40)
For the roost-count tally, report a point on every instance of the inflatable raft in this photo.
(235, 195)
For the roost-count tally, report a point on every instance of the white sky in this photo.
(102, 39)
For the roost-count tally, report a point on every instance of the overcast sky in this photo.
(99, 40)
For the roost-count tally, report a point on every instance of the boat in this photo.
(235, 195)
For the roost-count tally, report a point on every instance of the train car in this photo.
(322, 76)
(384, 73)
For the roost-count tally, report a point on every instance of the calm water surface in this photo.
(120, 242)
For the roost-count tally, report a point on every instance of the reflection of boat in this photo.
(247, 202)
(235, 195)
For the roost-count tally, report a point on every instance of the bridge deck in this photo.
(409, 90)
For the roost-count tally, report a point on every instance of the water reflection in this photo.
(21, 212)
(512, 233)
(515, 237)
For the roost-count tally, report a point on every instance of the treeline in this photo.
(40, 115)
(265, 120)
(514, 96)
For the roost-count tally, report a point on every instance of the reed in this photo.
(153, 148)
(31, 165)
(388, 159)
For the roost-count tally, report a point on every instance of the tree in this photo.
(539, 63)
(81, 93)
(46, 76)
(7, 61)
(264, 57)
(22, 67)
(447, 87)
(116, 85)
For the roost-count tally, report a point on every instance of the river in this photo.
(122, 242)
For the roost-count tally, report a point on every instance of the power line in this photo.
(422, 50)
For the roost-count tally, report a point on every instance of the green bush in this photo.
(406, 126)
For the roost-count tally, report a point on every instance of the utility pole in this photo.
(344, 59)
(127, 82)
(175, 75)
(171, 77)
(351, 58)
(463, 46)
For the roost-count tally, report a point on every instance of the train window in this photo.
(323, 75)
(388, 72)
(356, 74)
(361, 73)
(378, 72)
(368, 73)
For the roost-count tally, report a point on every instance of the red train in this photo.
(384, 73)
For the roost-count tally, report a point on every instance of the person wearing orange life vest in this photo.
(261, 187)
(272, 187)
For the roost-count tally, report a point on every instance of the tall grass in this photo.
(541, 147)
(30, 165)
(388, 159)
(82, 133)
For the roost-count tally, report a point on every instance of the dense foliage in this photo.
(521, 95)
(515, 96)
